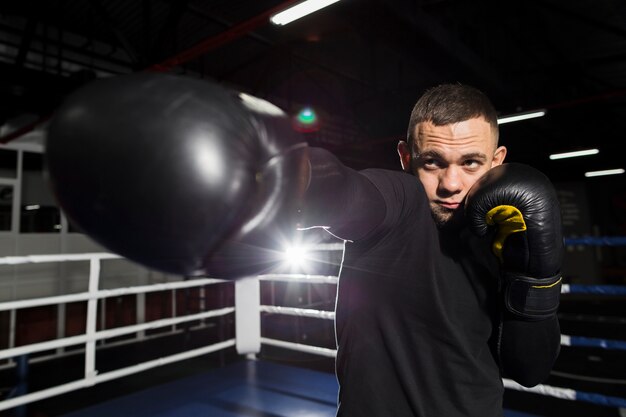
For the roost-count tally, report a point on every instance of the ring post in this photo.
(248, 316)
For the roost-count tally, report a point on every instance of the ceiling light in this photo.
(574, 154)
(521, 116)
(604, 172)
(299, 10)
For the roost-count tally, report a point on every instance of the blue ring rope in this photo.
(592, 342)
(601, 399)
(569, 394)
(598, 343)
(593, 289)
(597, 241)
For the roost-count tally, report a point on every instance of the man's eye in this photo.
(472, 163)
(431, 163)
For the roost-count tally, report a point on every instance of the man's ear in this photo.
(498, 156)
(404, 152)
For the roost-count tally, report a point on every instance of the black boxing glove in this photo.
(164, 170)
(521, 203)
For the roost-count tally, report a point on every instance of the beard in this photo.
(445, 217)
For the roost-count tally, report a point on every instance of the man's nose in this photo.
(450, 181)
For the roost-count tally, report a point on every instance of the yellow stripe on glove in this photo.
(509, 220)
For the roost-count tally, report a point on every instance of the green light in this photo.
(307, 116)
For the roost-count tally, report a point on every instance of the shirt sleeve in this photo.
(343, 200)
(354, 205)
(528, 349)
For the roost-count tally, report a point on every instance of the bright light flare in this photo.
(306, 121)
(307, 116)
(296, 256)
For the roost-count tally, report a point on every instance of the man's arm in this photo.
(521, 204)
(340, 198)
(207, 180)
(528, 349)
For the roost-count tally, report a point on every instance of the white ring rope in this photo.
(84, 296)
(299, 312)
(563, 393)
(17, 260)
(316, 350)
(309, 279)
(106, 334)
(109, 344)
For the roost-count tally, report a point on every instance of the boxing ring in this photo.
(249, 387)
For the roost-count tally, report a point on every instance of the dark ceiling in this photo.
(360, 63)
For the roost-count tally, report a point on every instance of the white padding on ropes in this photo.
(247, 316)
(331, 353)
(566, 340)
(309, 279)
(562, 393)
(16, 260)
(300, 312)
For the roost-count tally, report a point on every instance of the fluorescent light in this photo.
(521, 116)
(299, 10)
(33, 207)
(604, 172)
(574, 154)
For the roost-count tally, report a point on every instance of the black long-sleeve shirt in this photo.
(420, 328)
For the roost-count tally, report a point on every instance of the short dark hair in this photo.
(452, 103)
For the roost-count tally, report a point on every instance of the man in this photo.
(450, 279)
(419, 318)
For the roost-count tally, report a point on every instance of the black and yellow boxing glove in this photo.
(522, 204)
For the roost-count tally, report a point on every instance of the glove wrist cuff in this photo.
(532, 298)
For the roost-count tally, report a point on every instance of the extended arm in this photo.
(191, 178)
(340, 198)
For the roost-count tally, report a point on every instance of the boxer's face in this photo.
(449, 159)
